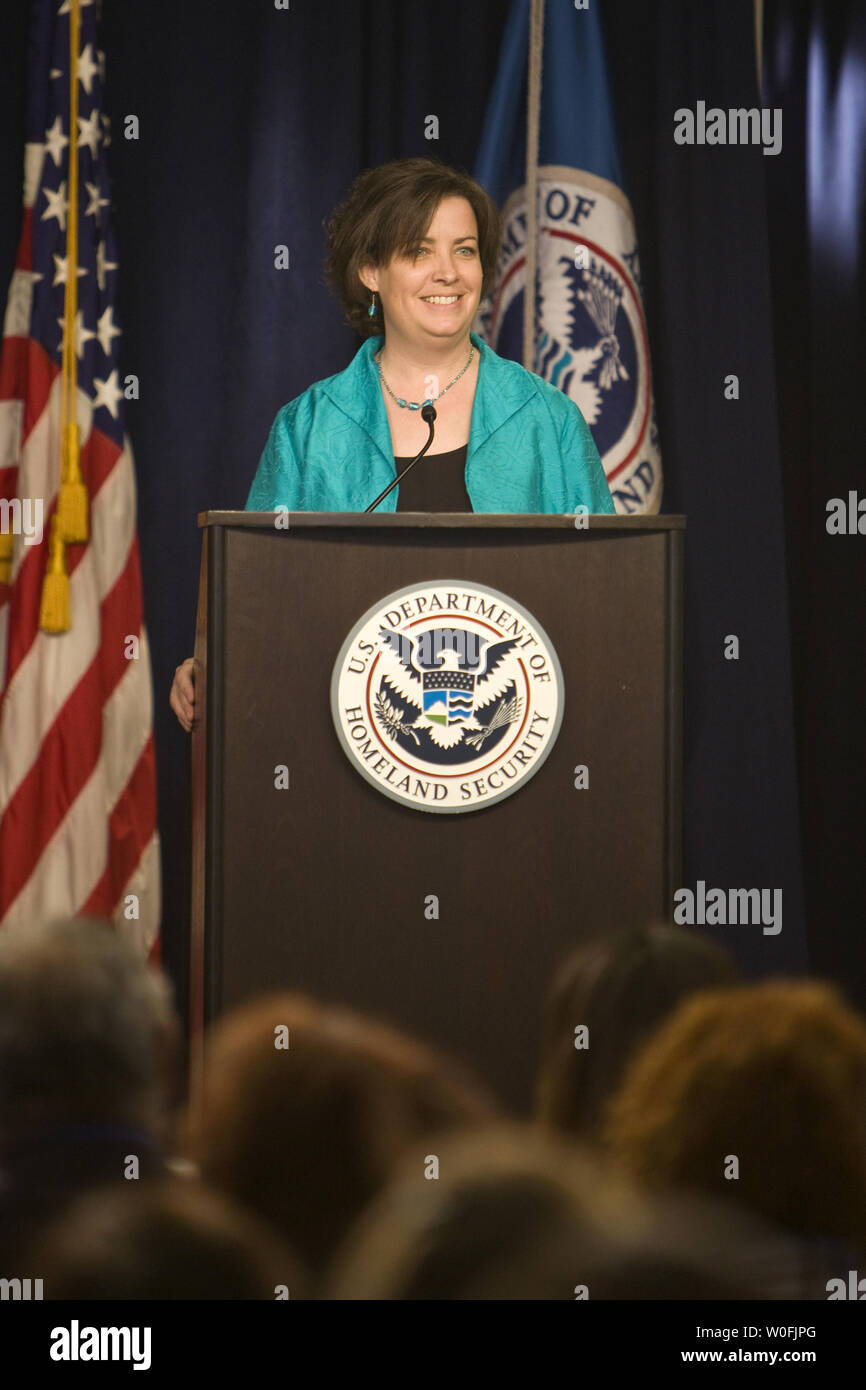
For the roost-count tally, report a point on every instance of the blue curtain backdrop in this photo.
(253, 122)
(701, 214)
(815, 67)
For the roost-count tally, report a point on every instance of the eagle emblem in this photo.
(449, 685)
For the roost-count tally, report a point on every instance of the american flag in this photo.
(77, 772)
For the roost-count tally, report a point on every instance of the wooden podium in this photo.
(325, 885)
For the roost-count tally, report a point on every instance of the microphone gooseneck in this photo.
(428, 415)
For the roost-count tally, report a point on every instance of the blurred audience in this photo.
(757, 1095)
(88, 1042)
(305, 1134)
(171, 1240)
(513, 1214)
(340, 1158)
(618, 989)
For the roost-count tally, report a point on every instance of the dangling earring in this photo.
(372, 309)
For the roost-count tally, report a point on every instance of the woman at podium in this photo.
(411, 253)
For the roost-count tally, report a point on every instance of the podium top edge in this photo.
(489, 521)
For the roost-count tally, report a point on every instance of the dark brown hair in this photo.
(515, 1214)
(387, 212)
(772, 1073)
(621, 987)
(306, 1136)
(171, 1240)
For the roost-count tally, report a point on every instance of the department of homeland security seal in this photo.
(591, 338)
(447, 696)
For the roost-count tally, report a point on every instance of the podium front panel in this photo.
(326, 887)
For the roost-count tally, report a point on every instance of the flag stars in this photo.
(106, 330)
(87, 68)
(106, 130)
(107, 393)
(82, 334)
(61, 270)
(92, 209)
(88, 132)
(102, 265)
(56, 141)
(57, 205)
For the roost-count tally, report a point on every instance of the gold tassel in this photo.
(54, 608)
(72, 499)
(7, 545)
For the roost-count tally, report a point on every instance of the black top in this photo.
(435, 484)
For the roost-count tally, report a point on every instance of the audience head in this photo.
(306, 1109)
(169, 1240)
(513, 1214)
(88, 1032)
(618, 989)
(756, 1094)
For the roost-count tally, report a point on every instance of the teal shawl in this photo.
(530, 449)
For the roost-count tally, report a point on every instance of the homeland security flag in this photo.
(77, 777)
(590, 335)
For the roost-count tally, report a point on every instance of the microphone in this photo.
(428, 414)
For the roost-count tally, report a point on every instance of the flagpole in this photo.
(69, 524)
(533, 121)
(72, 503)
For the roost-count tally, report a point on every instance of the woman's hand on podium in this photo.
(182, 698)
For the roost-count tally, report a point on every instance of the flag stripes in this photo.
(78, 830)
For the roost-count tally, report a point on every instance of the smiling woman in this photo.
(411, 253)
(389, 214)
(430, 294)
